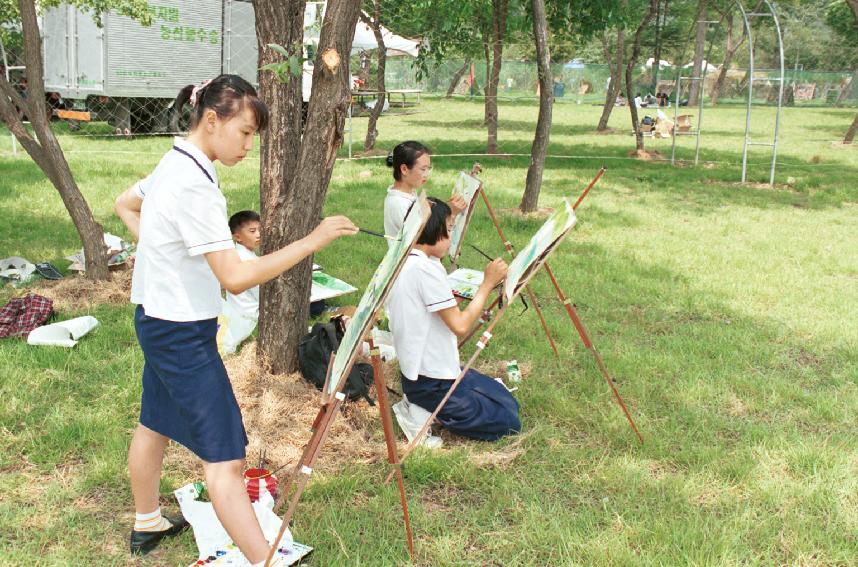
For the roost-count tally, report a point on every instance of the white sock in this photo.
(151, 522)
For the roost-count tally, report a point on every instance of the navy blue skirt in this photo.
(480, 407)
(187, 395)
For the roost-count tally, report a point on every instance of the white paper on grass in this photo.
(325, 286)
(212, 538)
(64, 334)
(17, 268)
(557, 225)
(377, 290)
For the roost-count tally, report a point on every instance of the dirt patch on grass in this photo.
(501, 457)
(540, 213)
(371, 153)
(807, 359)
(646, 155)
(278, 411)
(735, 406)
(660, 470)
(73, 293)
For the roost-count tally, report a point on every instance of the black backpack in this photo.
(314, 352)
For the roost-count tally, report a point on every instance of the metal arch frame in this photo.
(701, 95)
(774, 144)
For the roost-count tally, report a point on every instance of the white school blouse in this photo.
(396, 206)
(425, 346)
(182, 218)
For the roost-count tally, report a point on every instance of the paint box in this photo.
(513, 372)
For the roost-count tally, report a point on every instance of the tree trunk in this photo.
(630, 66)
(846, 92)
(499, 15)
(45, 149)
(616, 79)
(729, 52)
(295, 172)
(375, 24)
(530, 199)
(853, 5)
(487, 52)
(850, 134)
(457, 76)
(656, 56)
(699, 48)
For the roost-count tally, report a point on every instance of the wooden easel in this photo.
(321, 425)
(359, 331)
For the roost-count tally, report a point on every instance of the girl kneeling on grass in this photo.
(425, 321)
(185, 255)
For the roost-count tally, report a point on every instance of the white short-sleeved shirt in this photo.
(425, 346)
(182, 218)
(246, 302)
(396, 206)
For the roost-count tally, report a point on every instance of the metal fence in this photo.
(589, 82)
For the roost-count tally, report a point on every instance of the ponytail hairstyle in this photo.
(227, 95)
(407, 154)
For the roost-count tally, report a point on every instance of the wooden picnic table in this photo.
(361, 95)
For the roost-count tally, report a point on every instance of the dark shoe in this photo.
(144, 542)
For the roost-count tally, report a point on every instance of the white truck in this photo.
(129, 74)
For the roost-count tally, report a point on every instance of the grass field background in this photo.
(726, 313)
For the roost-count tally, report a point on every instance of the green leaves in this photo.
(291, 65)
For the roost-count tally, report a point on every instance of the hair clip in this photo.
(196, 91)
(389, 160)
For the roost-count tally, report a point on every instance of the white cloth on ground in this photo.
(411, 418)
(64, 333)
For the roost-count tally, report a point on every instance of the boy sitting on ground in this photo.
(241, 311)
(426, 320)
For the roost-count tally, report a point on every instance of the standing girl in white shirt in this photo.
(412, 163)
(185, 254)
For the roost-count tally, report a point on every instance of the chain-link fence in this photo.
(580, 82)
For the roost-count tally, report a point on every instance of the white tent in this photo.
(364, 37)
(710, 68)
(365, 40)
(661, 63)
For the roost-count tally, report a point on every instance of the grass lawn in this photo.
(726, 313)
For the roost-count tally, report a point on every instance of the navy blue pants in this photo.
(480, 407)
(187, 395)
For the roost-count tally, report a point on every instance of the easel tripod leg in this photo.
(389, 438)
(582, 332)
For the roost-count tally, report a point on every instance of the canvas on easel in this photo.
(341, 363)
(467, 186)
(527, 261)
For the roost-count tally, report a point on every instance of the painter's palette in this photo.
(230, 555)
(465, 282)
